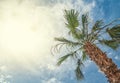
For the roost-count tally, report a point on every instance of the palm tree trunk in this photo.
(106, 65)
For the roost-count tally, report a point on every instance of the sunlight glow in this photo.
(26, 34)
(27, 30)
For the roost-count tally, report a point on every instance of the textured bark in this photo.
(106, 65)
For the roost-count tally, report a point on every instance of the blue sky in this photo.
(27, 29)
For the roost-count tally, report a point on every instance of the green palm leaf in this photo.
(68, 42)
(84, 56)
(85, 24)
(110, 43)
(72, 23)
(114, 32)
(84, 20)
(95, 30)
(72, 19)
(72, 54)
(63, 58)
(97, 25)
(77, 34)
(78, 71)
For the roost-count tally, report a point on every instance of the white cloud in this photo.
(4, 76)
(117, 58)
(52, 80)
(27, 29)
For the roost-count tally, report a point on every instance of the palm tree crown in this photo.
(82, 31)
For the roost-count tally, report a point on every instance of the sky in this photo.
(27, 31)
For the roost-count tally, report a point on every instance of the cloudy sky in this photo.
(27, 30)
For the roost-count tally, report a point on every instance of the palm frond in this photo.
(78, 71)
(62, 59)
(71, 17)
(72, 23)
(84, 20)
(114, 32)
(110, 43)
(72, 54)
(77, 34)
(96, 29)
(97, 25)
(109, 24)
(84, 56)
(68, 42)
(85, 24)
(57, 47)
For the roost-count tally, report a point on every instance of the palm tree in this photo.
(83, 41)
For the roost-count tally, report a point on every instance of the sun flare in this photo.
(26, 34)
